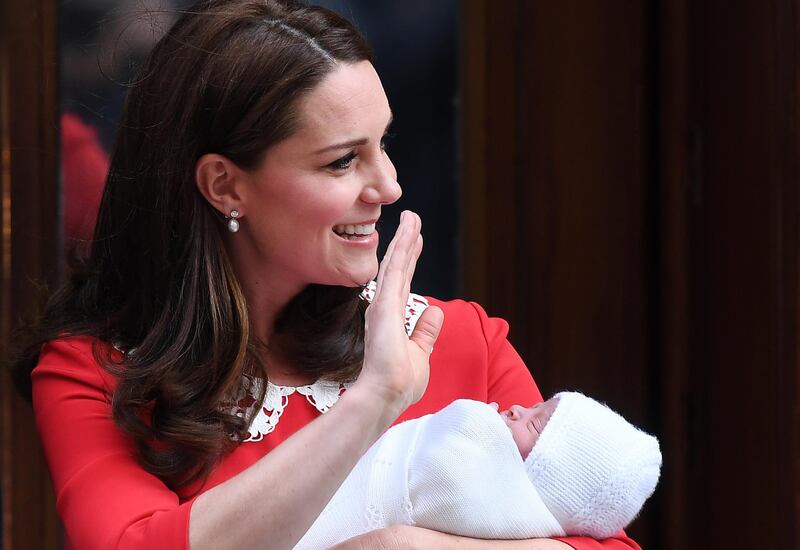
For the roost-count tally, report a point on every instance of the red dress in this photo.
(106, 500)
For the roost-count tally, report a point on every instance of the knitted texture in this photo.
(375, 493)
(592, 468)
(467, 478)
(457, 471)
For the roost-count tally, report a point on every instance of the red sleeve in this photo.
(510, 382)
(104, 497)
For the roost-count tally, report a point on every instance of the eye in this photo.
(342, 163)
(534, 425)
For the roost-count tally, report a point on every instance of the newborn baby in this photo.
(568, 466)
(527, 424)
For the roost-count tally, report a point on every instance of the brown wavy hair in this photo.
(158, 282)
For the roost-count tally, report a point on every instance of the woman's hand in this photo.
(406, 537)
(396, 366)
(395, 374)
(396, 537)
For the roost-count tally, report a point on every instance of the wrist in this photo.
(369, 403)
(391, 398)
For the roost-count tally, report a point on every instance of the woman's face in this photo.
(309, 209)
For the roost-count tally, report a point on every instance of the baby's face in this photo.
(527, 424)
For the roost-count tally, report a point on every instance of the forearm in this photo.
(272, 503)
(404, 537)
(445, 541)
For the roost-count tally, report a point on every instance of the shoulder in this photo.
(473, 358)
(72, 350)
(73, 360)
(467, 328)
(460, 316)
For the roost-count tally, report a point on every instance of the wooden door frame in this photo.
(722, 69)
(29, 249)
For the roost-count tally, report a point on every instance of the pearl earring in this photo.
(233, 223)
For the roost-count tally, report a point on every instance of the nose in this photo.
(382, 187)
(515, 412)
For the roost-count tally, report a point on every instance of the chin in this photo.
(360, 276)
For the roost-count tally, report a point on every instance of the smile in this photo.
(355, 231)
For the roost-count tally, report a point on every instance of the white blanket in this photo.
(457, 471)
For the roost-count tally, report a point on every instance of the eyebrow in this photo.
(353, 142)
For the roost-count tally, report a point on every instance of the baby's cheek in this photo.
(525, 442)
(519, 440)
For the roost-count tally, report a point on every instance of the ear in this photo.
(219, 180)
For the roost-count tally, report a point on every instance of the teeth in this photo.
(366, 229)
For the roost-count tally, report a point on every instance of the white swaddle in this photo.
(457, 471)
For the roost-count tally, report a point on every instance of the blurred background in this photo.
(618, 179)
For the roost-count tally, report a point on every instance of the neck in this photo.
(266, 290)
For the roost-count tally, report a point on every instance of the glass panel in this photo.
(101, 45)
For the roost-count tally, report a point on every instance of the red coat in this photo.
(106, 500)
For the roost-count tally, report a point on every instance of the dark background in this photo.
(415, 44)
(618, 179)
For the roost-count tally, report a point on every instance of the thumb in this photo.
(427, 328)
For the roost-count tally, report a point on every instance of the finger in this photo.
(412, 265)
(427, 329)
(413, 255)
(388, 255)
(412, 258)
(393, 278)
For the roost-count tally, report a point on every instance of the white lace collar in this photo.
(322, 394)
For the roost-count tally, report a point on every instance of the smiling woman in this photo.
(332, 172)
(215, 367)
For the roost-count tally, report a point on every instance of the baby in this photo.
(568, 466)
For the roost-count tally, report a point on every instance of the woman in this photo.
(183, 371)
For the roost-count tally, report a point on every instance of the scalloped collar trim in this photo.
(322, 394)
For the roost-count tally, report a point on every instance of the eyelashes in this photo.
(344, 162)
(535, 425)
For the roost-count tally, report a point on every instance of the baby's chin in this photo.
(520, 445)
(524, 451)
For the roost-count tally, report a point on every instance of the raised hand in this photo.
(395, 365)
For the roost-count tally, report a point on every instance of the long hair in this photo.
(158, 283)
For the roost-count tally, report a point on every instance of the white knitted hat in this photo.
(592, 468)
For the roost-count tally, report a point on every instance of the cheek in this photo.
(524, 439)
(324, 208)
(526, 449)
